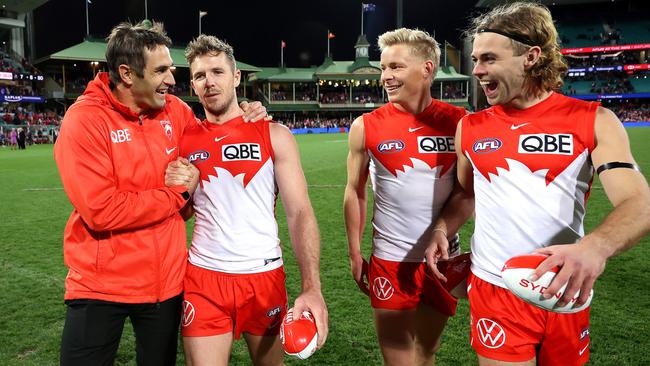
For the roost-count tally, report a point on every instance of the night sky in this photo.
(254, 28)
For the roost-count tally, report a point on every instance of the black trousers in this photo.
(93, 328)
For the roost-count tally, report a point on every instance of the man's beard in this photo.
(219, 110)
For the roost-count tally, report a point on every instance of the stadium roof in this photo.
(493, 3)
(22, 6)
(338, 70)
(92, 50)
(289, 74)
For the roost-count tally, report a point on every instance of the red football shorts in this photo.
(403, 285)
(505, 328)
(218, 303)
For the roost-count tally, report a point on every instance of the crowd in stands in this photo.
(363, 98)
(315, 122)
(334, 98)
(77, 85)
(595, 60)
(280, 95)
(16, 90)
(632, 112)
(452, 91)
(611, 85)
(11, 114)
(21, 137)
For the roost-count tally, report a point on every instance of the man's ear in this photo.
(237, 77)
(532, 56)
(429, 69)
(126, 74)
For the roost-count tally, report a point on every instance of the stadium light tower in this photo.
(201, 15)
(87, 22)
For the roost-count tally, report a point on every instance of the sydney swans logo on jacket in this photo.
(167, 126)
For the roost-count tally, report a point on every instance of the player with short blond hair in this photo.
(406, 148)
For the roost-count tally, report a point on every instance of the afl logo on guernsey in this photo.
(390, 146)
(198, 156)
(487, 145)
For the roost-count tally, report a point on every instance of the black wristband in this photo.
(615, 165)
(186, 195)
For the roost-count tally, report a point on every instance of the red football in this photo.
(299, 335)
(515, 274)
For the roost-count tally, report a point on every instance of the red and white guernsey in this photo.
(532, 176)
(412, 167)
(235, 229)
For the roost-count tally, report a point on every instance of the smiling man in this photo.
(407, 149)
(529, 160)
(235, 282)
(124, 243)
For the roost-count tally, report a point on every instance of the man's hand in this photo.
(360, 272)
(181, 172)
(437, 250)
(580, 264)
(312, 300)
(254, 111)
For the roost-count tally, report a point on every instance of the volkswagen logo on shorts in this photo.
(382, 288)
(490, 333)
(188, 313)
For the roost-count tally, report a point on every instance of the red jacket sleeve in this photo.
(83, 157)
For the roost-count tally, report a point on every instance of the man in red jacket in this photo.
(124, 243)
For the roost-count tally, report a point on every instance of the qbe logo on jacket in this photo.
(119, 136)
(541, 143)
(242, 151)
(436, 144)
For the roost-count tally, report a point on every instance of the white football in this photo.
(299, 335)
(515, 274)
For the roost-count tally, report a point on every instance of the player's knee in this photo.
(426, 354)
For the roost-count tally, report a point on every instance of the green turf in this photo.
(32, 270)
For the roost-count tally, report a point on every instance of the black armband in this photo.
(186, 195)
(615, 165)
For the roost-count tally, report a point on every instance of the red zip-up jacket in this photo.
(124, 241)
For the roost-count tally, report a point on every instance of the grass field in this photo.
(34, 209)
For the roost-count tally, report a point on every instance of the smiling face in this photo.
(214, 82)
(500, 72)
(149, 90)
(405, 77)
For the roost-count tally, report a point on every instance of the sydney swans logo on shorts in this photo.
(198, 156)
(188, 313)
(167, 126)
(382, 288)
(487, 145)
(390, 146)
(490, 333)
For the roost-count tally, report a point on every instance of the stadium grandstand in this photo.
(315, 99)
(608, 58)
(607, 47)
(22, 103)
